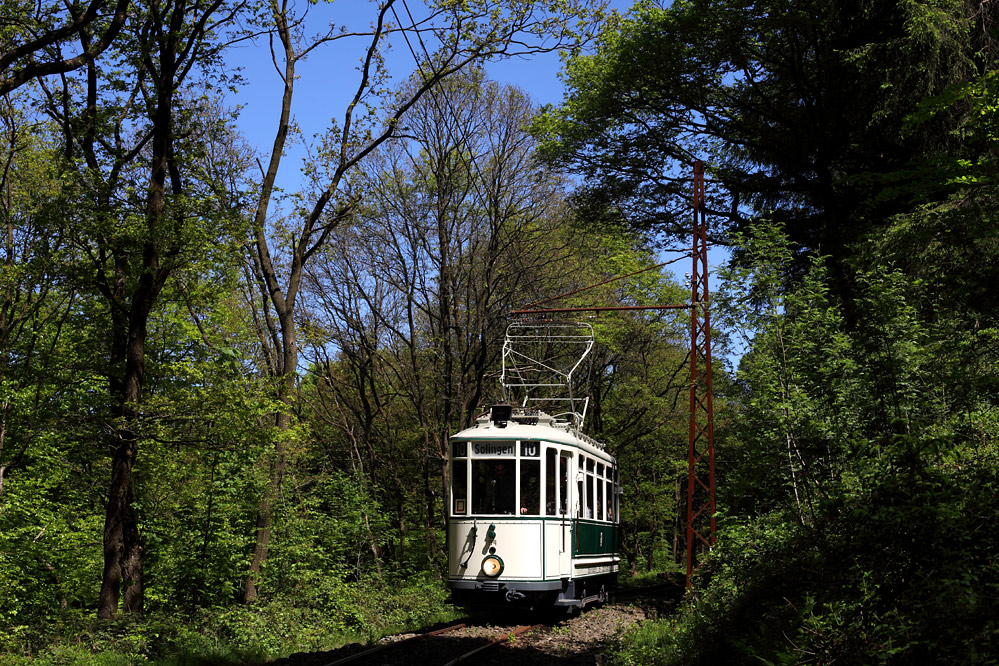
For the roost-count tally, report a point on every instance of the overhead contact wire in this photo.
(600, 284)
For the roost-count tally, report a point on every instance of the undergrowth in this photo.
(903, 574)
(252, 634)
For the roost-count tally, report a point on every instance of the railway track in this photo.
(448, 646)
(487, 642)
(670, 590)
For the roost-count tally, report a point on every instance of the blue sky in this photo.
(329, 76)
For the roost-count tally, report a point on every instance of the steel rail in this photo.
(646, 591)
(385, 646)
(498, 641)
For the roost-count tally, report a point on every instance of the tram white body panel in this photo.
(558, 550)
(519, 543)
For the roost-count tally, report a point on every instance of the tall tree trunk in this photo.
(279, 463)
(123, 566)
(119, 510)
(283, 303)
(123, 563)
(122, 551)
(265, 510)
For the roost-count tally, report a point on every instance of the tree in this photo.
(797, 108)
(130, 139)
(28, 190)
(468, 33)
(460, 225)
(48, 386)
(638, 382)
(34, 33)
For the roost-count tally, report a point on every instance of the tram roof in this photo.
(535, 426)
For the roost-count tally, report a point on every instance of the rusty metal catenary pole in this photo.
(701, 451)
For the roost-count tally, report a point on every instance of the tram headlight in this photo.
(492, 566)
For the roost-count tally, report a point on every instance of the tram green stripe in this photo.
(588, 540)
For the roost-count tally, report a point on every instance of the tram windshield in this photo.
(498, 478)
(494, 487)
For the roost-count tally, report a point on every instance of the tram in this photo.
(533, 513)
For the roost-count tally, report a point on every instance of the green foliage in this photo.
(974, 164)
(901, 574)
(855, 527)
(796, 108)
(243, 635)
(102, 280)
(857, 144)
(637, 381)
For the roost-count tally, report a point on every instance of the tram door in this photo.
(565, 514)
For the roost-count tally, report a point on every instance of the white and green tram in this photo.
(534, 512)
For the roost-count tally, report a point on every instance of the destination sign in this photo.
(494, 449)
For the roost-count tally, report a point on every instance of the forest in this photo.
(226, 394)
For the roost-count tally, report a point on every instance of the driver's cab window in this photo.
(494, 486)
(530, 478)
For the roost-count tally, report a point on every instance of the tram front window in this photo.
(494, 486)
(530, 487)
(459, 486)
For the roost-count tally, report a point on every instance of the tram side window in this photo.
(617, 491)
(599, 481)
(459, 486)
(494, 486)
(530, 487)
(600, 498)
(550, 481)
(589, 489)
(610, 500)
(580, 495)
